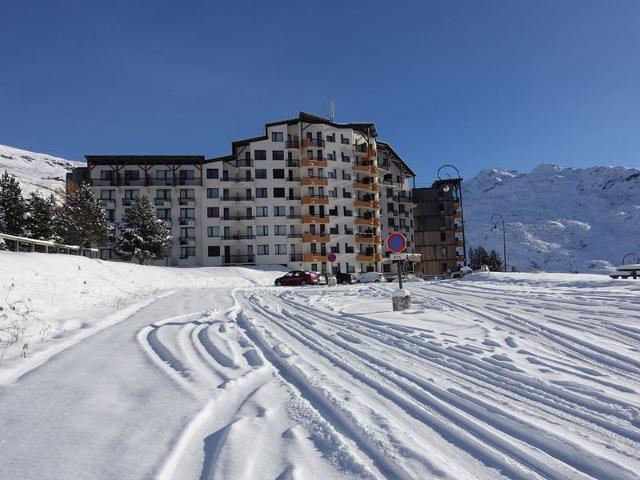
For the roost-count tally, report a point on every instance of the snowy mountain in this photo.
(35, 171)
(557, 219)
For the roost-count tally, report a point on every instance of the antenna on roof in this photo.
(332, 110)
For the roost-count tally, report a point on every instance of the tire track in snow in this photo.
(560, 449)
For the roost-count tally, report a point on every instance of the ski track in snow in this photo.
(478, 380)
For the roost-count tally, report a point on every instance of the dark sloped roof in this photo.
(399, 161)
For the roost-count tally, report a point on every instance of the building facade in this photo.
(306, 188)
(439, 227)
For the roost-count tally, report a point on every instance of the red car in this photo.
(298, 277)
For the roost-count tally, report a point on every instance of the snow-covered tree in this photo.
(80, 219)
(494, 261)
(11, 205)
(478, 256)
(142, 235)
(40, 219)
(3, 246)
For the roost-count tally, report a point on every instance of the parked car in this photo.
(298, 278)
(345, 278)
(370, 277)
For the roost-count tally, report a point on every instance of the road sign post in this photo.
(397, 243)
(332, 258)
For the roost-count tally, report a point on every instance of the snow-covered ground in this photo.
(523, 376)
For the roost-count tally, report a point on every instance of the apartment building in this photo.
(307, 187)
(439, 227)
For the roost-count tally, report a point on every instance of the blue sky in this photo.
(476, 83)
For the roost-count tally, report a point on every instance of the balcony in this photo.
(238, 259)
(244, 162)
(293, 163)
(134, 182)
(311, 162)
(291, 178)
(292, 144)
(108, 202)
(371, 187)
(365, 167)
(236, 218)
(241, 178)
(160, 182)
(370, 221)
(314, 258)
(189, 181)
(293, 197)
(294, 216)
(295, 257)
(103, 182)
(319, 181)
(367, 238)
(315, 200)
(459, 244)
(316, 238)
(313, 142)
(187, 240)
(237, 198)
(373, 204)
(162, 202)
(189, 221)
(294, 235)
(315, 219)
(404, 199)
(187, 201)
(127, 202)
(376, 257)
(238, 237)
(458, 229)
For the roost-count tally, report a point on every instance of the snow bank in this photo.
(48, 297)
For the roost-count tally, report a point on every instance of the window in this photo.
(331, 138)
(187, 194)
(277, 137)
(260, 154)
(132, 194)
(281, 248)
(262, 192)
(261, 173)
(262, 230)
(213, 193)
(106, 175)
(212, 173)
(186, 175)
(344, 140)
(213, 212)
(187, 213)
(345, 158)
(262, 212)
(188, 232)
(110, 215)
(279, 212)
(186, 252)
(263, 249)
(278, 192)
(277, 155)
(107, 194)
(213, 250)
(443, 236)
(164, 213)
(314, 267)
(278, 173)
(331, 156)
(280, 229)
(213, 231)
(163, 194)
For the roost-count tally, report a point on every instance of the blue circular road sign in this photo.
(396, 242)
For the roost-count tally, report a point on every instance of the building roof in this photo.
(144, 159)
(397, 159)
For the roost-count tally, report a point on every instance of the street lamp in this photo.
(446, 188)
(624, 259)
(495, 218)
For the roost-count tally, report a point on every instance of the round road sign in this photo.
(331, 257)
(396, 242)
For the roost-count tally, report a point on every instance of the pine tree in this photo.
(40, 219)
(80, 219)
(142, 235)
(479, 257)
(494, 262)
(11, 205)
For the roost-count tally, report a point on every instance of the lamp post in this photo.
(624, 259)
(446, 188)
(495, 218)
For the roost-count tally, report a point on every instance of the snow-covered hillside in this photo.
(558, 219)
(35, 171)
